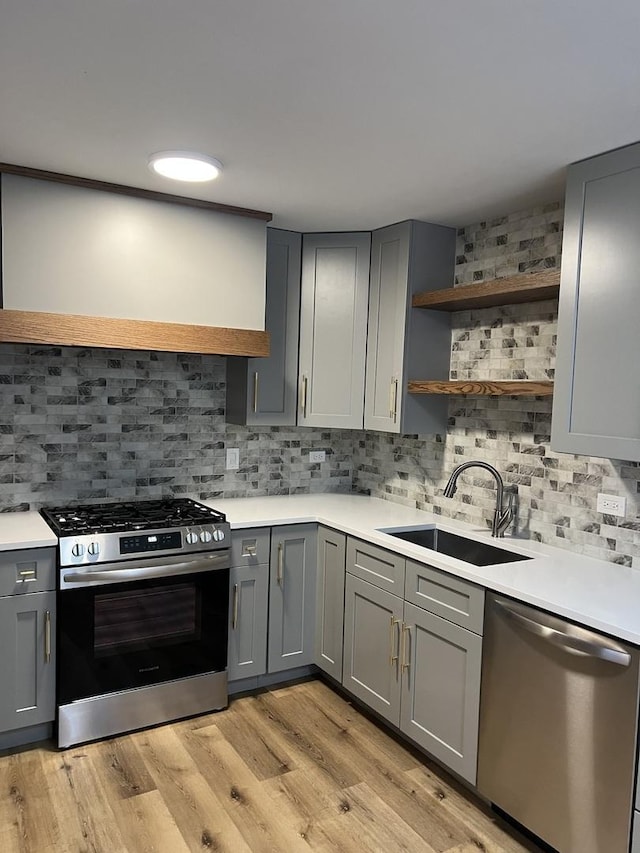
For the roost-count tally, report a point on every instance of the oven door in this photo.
(130, 625)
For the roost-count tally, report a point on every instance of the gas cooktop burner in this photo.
(129, 516)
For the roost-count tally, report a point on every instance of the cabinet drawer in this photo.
(453, 599)
(382, 568)
(250, 546)
(27, 570)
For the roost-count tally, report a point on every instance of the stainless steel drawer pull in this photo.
(47, 636)
(280, 570)
(234, 622)
(27, 575)
(249, 550)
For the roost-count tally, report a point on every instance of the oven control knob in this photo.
(93, 548)
(77, 550)
(192, 538)
(218, 534)
(206, 536)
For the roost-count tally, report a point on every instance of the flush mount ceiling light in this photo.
(185, 166)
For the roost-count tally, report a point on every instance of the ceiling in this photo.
(333, 114)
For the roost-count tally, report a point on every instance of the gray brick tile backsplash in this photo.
(81, 424)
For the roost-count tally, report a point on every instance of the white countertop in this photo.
(24, 530)
(602, 595)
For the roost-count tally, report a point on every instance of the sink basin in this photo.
(468, 550)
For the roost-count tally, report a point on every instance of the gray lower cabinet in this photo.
(264, 390)
(372, 630)
(333, 329)
(330, 601)
(416, 669)
(635, 833)
(440, 702)
(292, 589)
(248, 603)
(27, 663)
(596, 402)
(403, 342)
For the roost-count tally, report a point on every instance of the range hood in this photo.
(89, 264)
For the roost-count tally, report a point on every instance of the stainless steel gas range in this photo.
(143, 596)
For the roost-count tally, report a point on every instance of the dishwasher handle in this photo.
(578, 642)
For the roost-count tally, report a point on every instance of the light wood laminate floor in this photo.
(293, 769)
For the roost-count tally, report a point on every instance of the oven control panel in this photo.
(95, 548)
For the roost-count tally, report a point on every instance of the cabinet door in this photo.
(596, 402)
(264, 390)
(403, 342)
(386, 328)
(292, 587)
(372, 627)
(330, 601)
(441, 665)
(248, 621)
(333, 329)
(27, 663)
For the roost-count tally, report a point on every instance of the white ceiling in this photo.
(332, 114)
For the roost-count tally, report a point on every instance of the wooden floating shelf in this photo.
(527, 287)
(472, 388)
(35, 327)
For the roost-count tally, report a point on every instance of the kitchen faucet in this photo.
(502, 515)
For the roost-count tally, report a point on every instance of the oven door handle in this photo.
(148, 572)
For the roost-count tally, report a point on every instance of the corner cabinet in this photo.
(27, 638)
(263, 391)
(330, 601)
(333, 329)
(292, 589)
(403, 343)
(596, 408)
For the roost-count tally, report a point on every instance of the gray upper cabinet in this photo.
(403, 342)
(292, 590)
(27, 663)
(596, 403)
(333, 329)
(330, 601)
(263, 391)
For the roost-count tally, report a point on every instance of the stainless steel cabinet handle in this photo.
(255, 391)
(394, 635)
(47, 636)
(393, 400)
(27, 575)
(234, 620)
(249, 550)
(280, 569)
(578, 642)
(406, 632)
(303, 400)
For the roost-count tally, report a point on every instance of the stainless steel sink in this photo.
(467, 550)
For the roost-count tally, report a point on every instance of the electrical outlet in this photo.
(233, 458)
(611, 505)
(317, 456)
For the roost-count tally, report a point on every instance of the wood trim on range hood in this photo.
(36, 327)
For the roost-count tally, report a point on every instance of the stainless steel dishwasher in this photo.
(558, 716)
